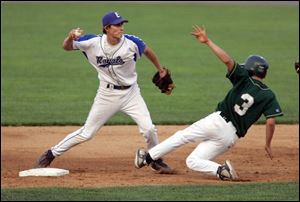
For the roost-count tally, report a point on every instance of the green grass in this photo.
(41, 84)
(238, 192)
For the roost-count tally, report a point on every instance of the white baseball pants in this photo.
(216, 136)
(107, 102)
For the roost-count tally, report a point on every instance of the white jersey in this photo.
(115, 64)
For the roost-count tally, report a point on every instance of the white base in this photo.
(43, 172)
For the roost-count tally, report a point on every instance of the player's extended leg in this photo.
(101, 111)
(97, 117)
(181, 137)
(196, 132)
(173, 142)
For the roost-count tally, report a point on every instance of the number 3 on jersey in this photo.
(248, 102)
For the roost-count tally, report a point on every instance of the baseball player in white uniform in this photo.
(114, 55)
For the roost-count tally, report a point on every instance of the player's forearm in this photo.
(221, 54)
(153, 58)
(270, 128)
(68, 43)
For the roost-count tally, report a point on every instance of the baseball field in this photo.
(47, 93)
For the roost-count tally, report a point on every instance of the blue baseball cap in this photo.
(112, 18)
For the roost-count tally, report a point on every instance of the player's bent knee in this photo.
(190, 162)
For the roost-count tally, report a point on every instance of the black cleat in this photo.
(160, 167)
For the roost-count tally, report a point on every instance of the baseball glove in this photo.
(297, 66)
(165, 84)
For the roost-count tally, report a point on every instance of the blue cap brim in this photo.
(118, 21)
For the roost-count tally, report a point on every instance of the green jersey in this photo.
(247, 101)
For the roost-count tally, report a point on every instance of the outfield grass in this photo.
(41, 84)
(237, 192)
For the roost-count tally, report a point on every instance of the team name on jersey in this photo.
(105, 62)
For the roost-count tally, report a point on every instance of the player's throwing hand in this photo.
(74, 34)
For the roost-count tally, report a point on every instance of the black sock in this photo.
(148, 159)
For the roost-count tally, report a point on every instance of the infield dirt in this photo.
(107, 159)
